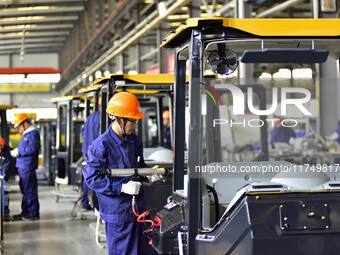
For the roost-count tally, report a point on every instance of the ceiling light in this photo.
(303, 73)
(42, 78)
(180, 16)
(283, 73)
(98, 74)
(132, 72)
(265, 76)
(28, 8)
(210, 7)
(23, 18)
(12, 78)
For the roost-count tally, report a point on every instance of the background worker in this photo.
(281, 134)
(5, 153)
(89, 132)
(336, 135)
(120, 148)
(27, 154)
(166, 124)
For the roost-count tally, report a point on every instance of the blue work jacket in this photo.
(90, 130)
(6, 154)
(167, 138)
(281, 135)
(337, 130)
(109, 151)
(28, 149)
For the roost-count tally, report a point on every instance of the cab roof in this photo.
(93, 87)
(254, 28)
(143, 79)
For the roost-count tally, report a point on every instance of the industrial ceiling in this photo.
(88, 34)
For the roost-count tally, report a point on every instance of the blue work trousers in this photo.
(85, 199)
(127, 238)
(29, 188)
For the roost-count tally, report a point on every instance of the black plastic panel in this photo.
(284, 55)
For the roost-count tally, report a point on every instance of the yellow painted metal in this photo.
(10, 88)
(144, 79)
(93, 87)
(7, 107)
(151, 78)
(66, 98)
(266, 27)
(139, 91)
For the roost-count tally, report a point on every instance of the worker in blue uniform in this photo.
(89, 132)
(335, 137)
(166, 134)
(5, 153)
(27, 154)
(336, 134)
(119, 148)
(281, 134)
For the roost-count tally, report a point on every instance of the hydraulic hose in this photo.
(213, 191)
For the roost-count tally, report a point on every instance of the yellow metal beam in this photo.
(7, 107)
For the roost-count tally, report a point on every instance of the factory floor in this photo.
(56, 233)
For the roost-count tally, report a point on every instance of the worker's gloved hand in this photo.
(155, 177)
(131, 188)
(15, 152)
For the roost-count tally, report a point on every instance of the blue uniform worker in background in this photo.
(119, 148)
(336, 135)
(89, 132)
(5, 153)
(336, 138)
(7, 157)
(27, 154)
(281, 134)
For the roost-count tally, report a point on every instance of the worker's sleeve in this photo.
(7, 158)
(29, 144)
(96, 162)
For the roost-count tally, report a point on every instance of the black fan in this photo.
(222, 60)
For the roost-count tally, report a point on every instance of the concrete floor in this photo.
(54, 233)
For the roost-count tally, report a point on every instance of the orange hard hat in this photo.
(166, 114)
(2, 143)
(19, 118)
(125, 105)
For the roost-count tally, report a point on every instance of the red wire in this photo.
(139, 217)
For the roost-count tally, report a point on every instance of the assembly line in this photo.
(220, 155)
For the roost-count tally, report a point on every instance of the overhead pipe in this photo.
(122, 45)
(315, 9)
(277, 8)
(225, 8)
